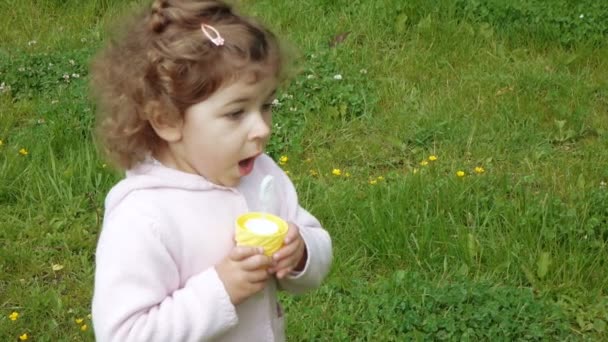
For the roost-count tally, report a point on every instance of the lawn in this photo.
(456, 151)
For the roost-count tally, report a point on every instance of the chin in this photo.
(231, 182)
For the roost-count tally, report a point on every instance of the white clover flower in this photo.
(31, 42)
(276, 102)
(21, 69)
(50, 65)
(84, 40)
(293, 109)
(76, 75)
(54, 101)
(363, 71)
(71, 61)
(66, 77)
(310, 77)
(337, 77)
(602, 183)
(581, 16)
(2, 86)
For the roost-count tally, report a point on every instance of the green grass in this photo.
(517, 252)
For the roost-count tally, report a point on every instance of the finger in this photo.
(260, 275)
(257, 287)
(290, 260)
(256, 262)
(286, 263)
(286, 250)
(283, 273)
(292, 233)
(240, 253)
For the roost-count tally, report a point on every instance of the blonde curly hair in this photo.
(161, 63)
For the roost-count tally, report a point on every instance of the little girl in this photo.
(184, 105)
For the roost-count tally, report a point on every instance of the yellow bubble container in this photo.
(261, 230)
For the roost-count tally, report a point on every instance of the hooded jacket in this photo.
(163, 232)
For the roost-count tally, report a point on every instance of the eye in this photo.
(235, 115)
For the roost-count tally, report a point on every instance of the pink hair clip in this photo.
(217, 40)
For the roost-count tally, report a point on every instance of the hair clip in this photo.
(217, 40)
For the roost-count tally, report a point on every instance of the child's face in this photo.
(222, 135)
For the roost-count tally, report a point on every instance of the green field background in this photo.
(456, 151)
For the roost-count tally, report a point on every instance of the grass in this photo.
(515, 252)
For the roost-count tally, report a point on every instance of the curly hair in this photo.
(162, 63)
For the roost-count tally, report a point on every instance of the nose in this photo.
(260, 127)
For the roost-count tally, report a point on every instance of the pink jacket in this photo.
(163, 232)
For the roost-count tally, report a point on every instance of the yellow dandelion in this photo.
(84, 327)
(373, 181)
(283, 160)
(313, 173)
(23, 152)
(23, 337)
(424, 163)
(479, 170)
(460, 173)
(287, 172)
(432, 157)
(380, 178)
(79, 320)
(336, 172)
(13, 316)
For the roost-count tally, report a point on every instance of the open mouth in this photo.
(246, 166)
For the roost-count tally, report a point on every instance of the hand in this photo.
(292, 256)
(244, 272)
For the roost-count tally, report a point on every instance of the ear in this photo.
(168, 129)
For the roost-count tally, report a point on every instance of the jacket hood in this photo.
(151, 174)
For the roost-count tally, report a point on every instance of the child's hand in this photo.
(292, 256)
(244, 272)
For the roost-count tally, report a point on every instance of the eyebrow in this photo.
(245, 99)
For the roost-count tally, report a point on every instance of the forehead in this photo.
(241, 92)
(247, 87)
